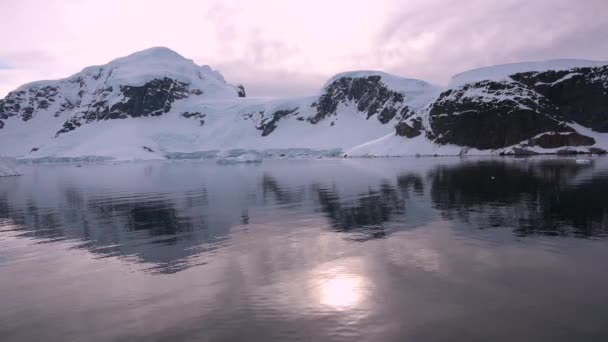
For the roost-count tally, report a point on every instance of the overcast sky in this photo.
(284, 48)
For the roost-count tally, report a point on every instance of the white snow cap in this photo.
(417, 92)
(394, 82)
(141, 67)
(158, 62)
(502, 72)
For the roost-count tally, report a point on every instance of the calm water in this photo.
(405, 249)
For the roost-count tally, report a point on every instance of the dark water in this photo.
(324, 250)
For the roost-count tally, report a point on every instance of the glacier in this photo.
(8, 167)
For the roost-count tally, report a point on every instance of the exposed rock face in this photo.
(268, 126)
(555, 140)
(568, 151)
(369, 94)
(580, 94)
(527, 108)
(491, 115)
(146, 83)
(24, 103)
(152, 99)
(69, 126)
(196, 115)
(241, 90)
(409, 130)
(523, 152)
(365, 92)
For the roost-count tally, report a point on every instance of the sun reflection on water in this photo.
(340, 287)
(341, 292)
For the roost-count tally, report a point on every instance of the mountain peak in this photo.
(158, 63)
(503, 71)
(143, 66)
(398, 83)
(157, 53)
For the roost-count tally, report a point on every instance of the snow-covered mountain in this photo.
(157, 104)
(556, 106)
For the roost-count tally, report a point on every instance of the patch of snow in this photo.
(8, 167)
(601, 139)
(392, 145)
(502, 72)
(567, 77)
(484, 94)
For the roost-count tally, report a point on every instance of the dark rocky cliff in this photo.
(529, 109)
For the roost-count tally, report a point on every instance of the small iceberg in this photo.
(8, 167)
(249, 158)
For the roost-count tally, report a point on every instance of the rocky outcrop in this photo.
(528, 109)
(146, 83)
(25, 103)
(267, 125)
(580, 94)
(241, 90)
(491, 115)
(555, 140)
(597, 150)
(69, 126)
(195, 115)
(409, 130)
(368, 94)
(151, 99)
(569, 151)
(522, 152)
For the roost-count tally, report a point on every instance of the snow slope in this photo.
(419, 92)
(140, 67)
(493, 91)
(392, 145)
(207, 118)
(227, 127)
(502, 72)
(32, 116)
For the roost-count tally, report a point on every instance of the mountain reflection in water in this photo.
(186, 209)
(305, 250)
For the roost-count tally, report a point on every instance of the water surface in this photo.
(403, 249)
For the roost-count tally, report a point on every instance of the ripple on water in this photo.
(381, 249)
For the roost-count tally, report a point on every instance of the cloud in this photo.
(271, 82)
(263, 71)
(433, 39)
(26, 58)
(286, 48)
